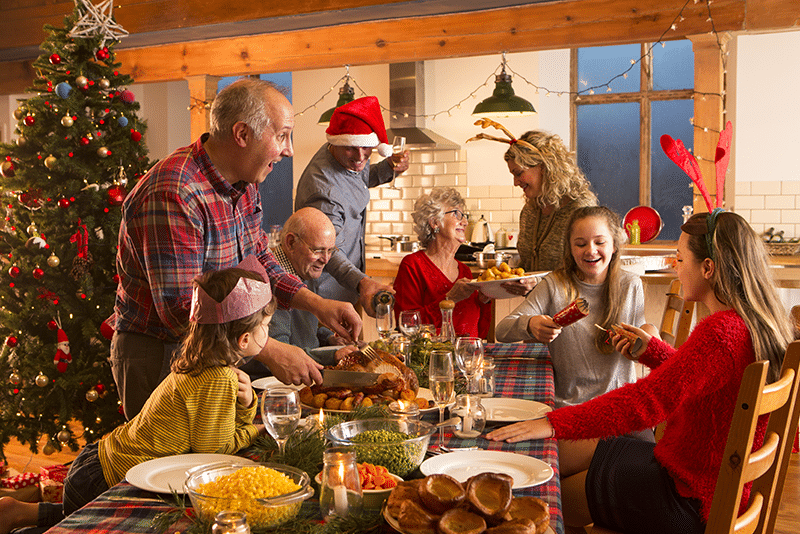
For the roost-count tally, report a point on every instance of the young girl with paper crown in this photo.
(205, 405)
(634, 486)
(585, 365)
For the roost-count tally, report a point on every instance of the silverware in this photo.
(336, 377)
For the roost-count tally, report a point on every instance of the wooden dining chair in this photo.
(677, 319)
(765, 467)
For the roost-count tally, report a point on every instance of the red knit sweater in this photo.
(693, 388)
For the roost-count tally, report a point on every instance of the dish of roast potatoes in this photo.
(440, 504)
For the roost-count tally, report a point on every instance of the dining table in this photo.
(522, 371)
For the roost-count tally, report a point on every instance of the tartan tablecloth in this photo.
(522, 371)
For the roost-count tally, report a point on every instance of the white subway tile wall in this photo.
(771, 204)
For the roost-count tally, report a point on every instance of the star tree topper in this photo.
(97, 20)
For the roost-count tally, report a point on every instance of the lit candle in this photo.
(466, 424)
(340, 494)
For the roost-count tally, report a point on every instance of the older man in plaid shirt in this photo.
(199, 209)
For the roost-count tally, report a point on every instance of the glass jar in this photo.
(472, 414)
(485, 377)
(230, 522)
(340, 491)
(404, 410)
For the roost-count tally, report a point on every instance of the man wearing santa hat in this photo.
(337, 181)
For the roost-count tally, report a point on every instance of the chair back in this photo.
(677, 319)
(796, 316)
(765, 467)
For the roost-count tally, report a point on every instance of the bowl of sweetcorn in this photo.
(270, 494)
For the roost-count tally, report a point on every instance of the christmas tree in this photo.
(78, 150)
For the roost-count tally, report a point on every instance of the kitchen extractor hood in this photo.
(407, 108)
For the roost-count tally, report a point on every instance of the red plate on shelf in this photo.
(650, 223)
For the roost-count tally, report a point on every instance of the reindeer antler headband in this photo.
(678, 153)
(246, 298)
(485, 123)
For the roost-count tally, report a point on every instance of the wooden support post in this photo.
(202, 90)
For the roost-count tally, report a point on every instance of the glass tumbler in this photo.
(340, 492)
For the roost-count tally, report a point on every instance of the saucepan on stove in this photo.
(401, 243)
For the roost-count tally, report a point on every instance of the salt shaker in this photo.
(230, 522)
(340, 492)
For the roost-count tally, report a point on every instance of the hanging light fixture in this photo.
(503, 102)
(346, 94)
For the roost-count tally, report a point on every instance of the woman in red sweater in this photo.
(634, 486)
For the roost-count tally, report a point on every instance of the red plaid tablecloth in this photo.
(522, 371)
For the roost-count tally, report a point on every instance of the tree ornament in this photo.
(14, 378)
(83, 260)
(55, 59)
(32, 229)
(116, 195)
(104, 83)
(97, 21)
(102, 54)
(50, 162)
(13, 272)
(84, 141)
(36, 243)
(127, 96)
(48, 449)
(7, 169)
(52, 325)
(12, 341)
(53, 261)
(63, 203)
(30, 120)
(21, 141)
(67, 121)
(63, 89)
(92, 395)
(63, 435)
(19, 113)
(38, 273)
(41, 380)
(122, 121)
(82, 82)
(136, 136)
(62, 357)
(103, 152)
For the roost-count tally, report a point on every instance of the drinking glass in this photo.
(398, 147)
(384, 320)
(409, 322)
(469, 358)
(280, 411)
(441, 380)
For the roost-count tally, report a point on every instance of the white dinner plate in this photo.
(424, 393)
(508, 410)
(494, 288)
(163, 475)
(526, 470)
(267, 382)
(392, 522)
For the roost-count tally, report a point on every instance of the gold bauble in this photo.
(92, 395)
(104, 83)
(67, 121)
(63, 435)
(19, 113)
(42, 380)
(21, 141)
(102, 152)
(82, 82)
(14, 378)
(49, 449)
(50, 162)
(53, 260)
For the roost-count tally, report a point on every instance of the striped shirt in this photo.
(181, 220)
(184, 414)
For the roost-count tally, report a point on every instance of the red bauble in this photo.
(55, 59)
(63, 203)
(136, 136)
(116, 195)
(31, 199)
(52, 325)
(102, 54)
(7, 169)
(100, 388)
(84, 141)
(13, 272)
(127, 96)
(38, 273)
(11, 341)
(30, 120)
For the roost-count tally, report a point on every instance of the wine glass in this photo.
(398, 147)
(409, 322)
(280, 411)
(384, 320)
(441, 382)
(469, 358)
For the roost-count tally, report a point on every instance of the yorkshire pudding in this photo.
(531, 508)
(404, 491)
(440, 492)
(515, 526)
(415, 519)
(461, 521)
(489, 494)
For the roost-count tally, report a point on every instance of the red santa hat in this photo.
(359, 123)
(62, 336)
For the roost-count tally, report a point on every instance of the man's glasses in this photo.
(458, 214)
(319, 252)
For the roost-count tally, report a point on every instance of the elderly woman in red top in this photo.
(429, 276)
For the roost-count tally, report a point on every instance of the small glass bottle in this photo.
(230, 522)
(340, 491)
(382, 298)
(448, 331)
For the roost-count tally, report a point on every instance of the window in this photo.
(622, 108)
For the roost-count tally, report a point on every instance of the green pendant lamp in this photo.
(503, 102)
(346, 94)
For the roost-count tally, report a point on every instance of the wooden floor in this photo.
(21, 459)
